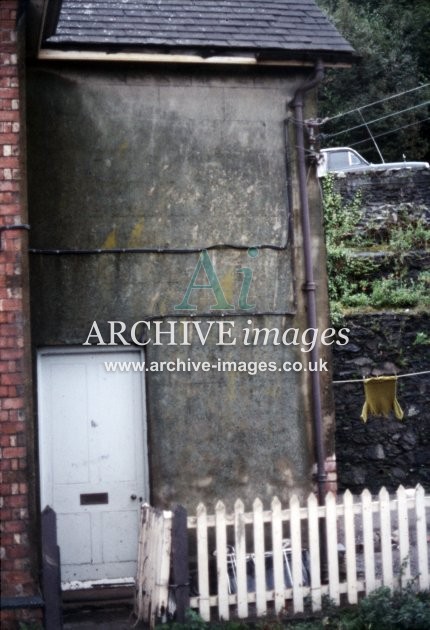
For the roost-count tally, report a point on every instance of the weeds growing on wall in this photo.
(357, 279)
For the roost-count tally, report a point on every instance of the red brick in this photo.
(6, 539)
(9, 93)
(15, 452)
(5, 464)
(14, 411)
(11, 305)
(8, 198)
(12, 403)
(9, 138)
(10, 476)
(8, 379)
(11, 354)
(16, 501)
(15, 527)
(8, 70)
(7, 342)
(9, 162)
(12, 115)
(12, 427)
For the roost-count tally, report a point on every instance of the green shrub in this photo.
(352, 277)
(401, 610)
(413, 235)
(422, 339)
(404, 609)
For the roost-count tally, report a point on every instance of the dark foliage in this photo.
(393, 39)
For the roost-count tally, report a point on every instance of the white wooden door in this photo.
(93, 460)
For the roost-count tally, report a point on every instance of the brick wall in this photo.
(17, 577)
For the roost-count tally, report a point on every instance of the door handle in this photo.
(133, 497)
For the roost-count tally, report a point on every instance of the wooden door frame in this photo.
(43, 461)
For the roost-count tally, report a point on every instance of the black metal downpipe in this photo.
(297, 104)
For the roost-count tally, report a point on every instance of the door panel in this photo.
(93, 460)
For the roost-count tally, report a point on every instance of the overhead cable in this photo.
(382, 100)
(386, 133)
(371, 122)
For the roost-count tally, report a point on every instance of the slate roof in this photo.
(287, 26)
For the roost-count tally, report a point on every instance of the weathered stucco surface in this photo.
(129, 158)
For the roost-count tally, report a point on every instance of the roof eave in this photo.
(198, 55)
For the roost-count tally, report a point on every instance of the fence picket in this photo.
(240, 548)
(260, 567)
(385, 518)
(403, 522)
(422, 549)
(152, 580)
(203, 562)
(278, 569)
(164, 566)
(296, 553)
(221, 561)
(234, 585)
(368, 542)
(314, 551)
(351, 561)
(332, 553)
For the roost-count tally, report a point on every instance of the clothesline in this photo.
(360, 380)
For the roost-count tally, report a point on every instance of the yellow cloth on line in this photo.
(380, 393)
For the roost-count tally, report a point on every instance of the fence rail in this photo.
(251, 562)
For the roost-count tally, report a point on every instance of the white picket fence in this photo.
(253, 563)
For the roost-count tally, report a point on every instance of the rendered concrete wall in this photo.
(123, 157)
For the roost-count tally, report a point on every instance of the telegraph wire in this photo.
(371, 122)
(382, 100)
(386, 133)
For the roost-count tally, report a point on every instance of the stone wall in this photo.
(386, 187)
(383, 452)
(387, 198)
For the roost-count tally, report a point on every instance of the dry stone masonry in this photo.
(384, 451)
